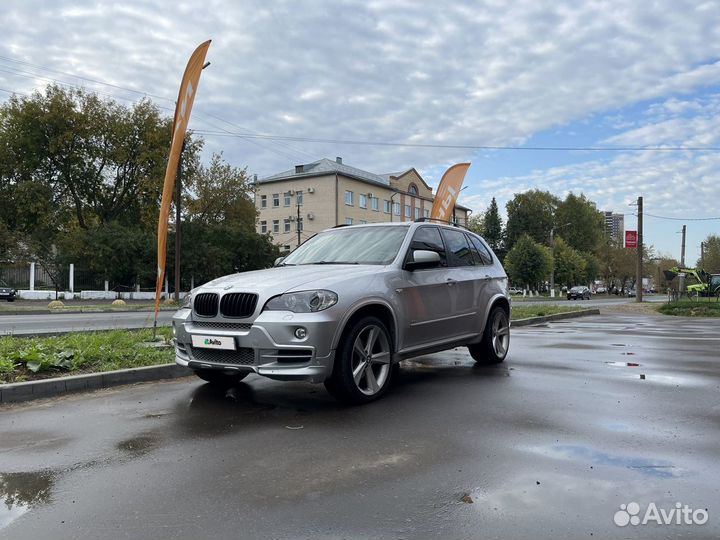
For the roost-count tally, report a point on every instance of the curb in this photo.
(25, 391)
(89, 311)
(556, 317)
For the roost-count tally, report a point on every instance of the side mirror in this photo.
(278, 261)
(423, 259)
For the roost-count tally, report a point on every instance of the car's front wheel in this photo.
(362, 371)
(495, 341)
(220, 378)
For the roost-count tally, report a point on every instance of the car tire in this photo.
(493, 347)
(363, 370)
(11, 299)
(220, 378)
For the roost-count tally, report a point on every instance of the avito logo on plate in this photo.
(630, 514)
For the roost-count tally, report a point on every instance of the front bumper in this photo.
(266, 346)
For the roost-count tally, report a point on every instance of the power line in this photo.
(468, 146)
(683, 219)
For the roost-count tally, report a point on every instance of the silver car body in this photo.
(427, 310)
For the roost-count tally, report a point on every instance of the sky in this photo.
(445, 79)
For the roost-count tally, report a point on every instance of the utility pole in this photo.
(702, 254)
(178, 200)
(638, 278)
(682, 250)
(552, 272)
(298, 225)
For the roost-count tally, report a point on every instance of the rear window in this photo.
(459, 253)
(480, 251)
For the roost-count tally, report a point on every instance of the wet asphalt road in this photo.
(37, 324)
(547, 445)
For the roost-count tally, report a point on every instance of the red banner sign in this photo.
(631, 239)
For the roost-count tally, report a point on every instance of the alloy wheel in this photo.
(371, 360)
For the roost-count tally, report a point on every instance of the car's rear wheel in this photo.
(495, 341)
(362, 371)
(220, 378)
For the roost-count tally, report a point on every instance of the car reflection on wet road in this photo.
(547, 445)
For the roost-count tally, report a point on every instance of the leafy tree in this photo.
(592, 267)
(528, 262)
(711, 260)
(570, 265)
(492, 226)
(581, 224)
(531, 213)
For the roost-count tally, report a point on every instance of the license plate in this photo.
(214, 342)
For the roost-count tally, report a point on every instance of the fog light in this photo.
(300, 332)
(174, 330)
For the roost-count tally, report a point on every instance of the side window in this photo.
(459, 253)
(428, 238)
(483, 252)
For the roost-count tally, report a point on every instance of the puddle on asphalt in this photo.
(138, 446)
(623, 364)
(21, 491)
(646, 466)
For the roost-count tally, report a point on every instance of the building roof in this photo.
(327, 166)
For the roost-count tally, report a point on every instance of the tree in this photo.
(528, 262)
(531, 213)
(711, 255)
(492, 226)
(585, 224)
(570, 266)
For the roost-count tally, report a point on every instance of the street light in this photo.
(552, 253)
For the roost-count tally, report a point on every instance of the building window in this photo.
(287, 225)
(362, 222)
(276, 200)
(396, 208)
(349, 198)
(276, 225)
(286, 197)
(362, 203)
(386, 207)
(300, 197)
(412, 190)
(417, 213)
(263, 201)
(427, 213)
(286, 248)
(348, 221)
(263, 227)
(408, 211)
(375, 204)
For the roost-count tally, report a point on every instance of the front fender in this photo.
(357, 307)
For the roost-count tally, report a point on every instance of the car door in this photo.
(465, 281)
(425, 296)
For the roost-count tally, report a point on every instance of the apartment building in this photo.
(319, 195)
(615, 225)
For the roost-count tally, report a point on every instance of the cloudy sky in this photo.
(527, 74)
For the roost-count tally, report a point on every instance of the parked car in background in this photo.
(601, 290)
(514, 290)
(632, 293)
(7, 292)
(346, 306)
(579, 293)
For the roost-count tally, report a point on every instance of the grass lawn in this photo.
(80, 306)
(700, 307)
(23, 359)
(523, 312)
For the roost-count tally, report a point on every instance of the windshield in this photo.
(576, 289)
(360, 245)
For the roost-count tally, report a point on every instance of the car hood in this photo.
(278, 280)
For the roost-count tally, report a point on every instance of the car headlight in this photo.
(186, 302)
(303, 301)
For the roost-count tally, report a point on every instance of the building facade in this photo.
(615, 226)
(319, 195)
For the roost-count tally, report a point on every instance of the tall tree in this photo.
(580, 223)
(570, 266)
(711, 255)
(531, 213)
(492, 226)
(528, 262)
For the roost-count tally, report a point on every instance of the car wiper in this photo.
(333, 262)
(285, 264)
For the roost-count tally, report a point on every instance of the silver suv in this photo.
(346, 306)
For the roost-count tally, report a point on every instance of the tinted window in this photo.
(459, 253)
(428, 238)
(482, 251)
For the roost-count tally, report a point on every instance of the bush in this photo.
(118, 303)
(56, 304)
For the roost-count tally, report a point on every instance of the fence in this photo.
(33, 278)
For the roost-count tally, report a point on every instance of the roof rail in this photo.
(444, 222)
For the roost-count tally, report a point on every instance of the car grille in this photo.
(243, 356)
(206, 304)
(239, 305)
(222, 325)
